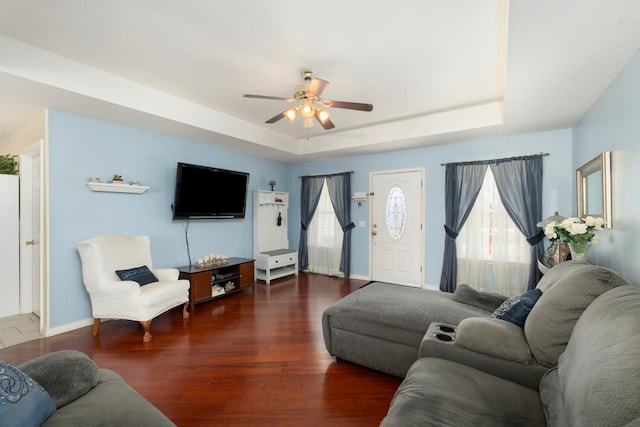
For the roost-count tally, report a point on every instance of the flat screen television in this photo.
(204, 192)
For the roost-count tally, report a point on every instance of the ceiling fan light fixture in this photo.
(323, 115)
(308, 122)
(307, 110)
(291, 114)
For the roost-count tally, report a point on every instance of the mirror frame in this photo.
(602, 162)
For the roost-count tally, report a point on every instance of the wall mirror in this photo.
(593, 188)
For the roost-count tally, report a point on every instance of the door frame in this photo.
(422, 172)
(26, 229)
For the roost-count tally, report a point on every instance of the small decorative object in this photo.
(272, 183)
(211, 260)
(94, 179)
(229, 286)
(135, 182)
(578, 233)
(117, 179)
(8, 164)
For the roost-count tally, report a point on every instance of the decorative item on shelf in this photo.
(578, 233)
(94, 179)
(117, 179)
(211, 260)
(229, 286)
(272, 183)
(360, 197)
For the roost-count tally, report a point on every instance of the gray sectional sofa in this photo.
(471, 369)
(381, 326)
(85, 395)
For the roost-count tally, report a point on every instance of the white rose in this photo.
(590, 221)
(549, 231)
(599, 223)
(578, 228)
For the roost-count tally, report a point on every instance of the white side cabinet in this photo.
(271, 250)
(9, 246)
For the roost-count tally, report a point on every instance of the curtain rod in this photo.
(325, 174)
(494, 160)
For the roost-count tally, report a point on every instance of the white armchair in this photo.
(113, 298)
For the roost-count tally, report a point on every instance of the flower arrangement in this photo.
(578, 233)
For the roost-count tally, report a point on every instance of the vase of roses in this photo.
(578, 233)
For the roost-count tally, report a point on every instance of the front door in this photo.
(397, 237)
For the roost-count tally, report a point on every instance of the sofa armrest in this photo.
(527, 374)
(465, 294)
(65, 375)
(166, 274)
(494, 337)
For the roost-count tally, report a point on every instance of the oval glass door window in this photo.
(396, 213)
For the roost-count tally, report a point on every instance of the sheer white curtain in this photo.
(324, 238)
(493, 255)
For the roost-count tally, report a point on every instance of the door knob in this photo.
(374, 233)
(30, 242)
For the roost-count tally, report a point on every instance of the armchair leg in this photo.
(185, 310)
(96, 327)
(146, 324)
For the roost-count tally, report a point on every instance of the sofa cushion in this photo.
(516, 309)
(141, 275)
(551, 321)
(110, 403)
(439, 392)
(465, 294)
(23, 402)
(66, 374)
(597, 379)
(494, 337)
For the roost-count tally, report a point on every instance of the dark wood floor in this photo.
(256, 358)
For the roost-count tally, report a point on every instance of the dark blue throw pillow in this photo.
(142, 275)
(516, 309)
(23, 402)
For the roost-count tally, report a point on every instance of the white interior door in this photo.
(30, 239)
(397, 238)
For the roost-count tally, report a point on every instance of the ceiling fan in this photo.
(308, 96)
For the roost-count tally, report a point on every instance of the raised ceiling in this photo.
(437, 72)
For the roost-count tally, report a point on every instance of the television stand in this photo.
(275, 264)
(209, 282)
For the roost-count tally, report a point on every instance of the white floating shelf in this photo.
(116, 188)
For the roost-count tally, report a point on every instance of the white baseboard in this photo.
(69, 327)
(359, 277)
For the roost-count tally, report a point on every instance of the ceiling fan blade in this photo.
(348, 105)
(276, 117)
(317, 86)
(328, 124)
(275, 98)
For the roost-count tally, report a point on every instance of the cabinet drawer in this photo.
(281, 260)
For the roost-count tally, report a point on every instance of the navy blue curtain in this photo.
(309, 198)
(462, 185)
(339, 187)
(519, 182)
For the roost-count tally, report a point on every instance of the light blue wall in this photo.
(557, 185)
(613, 124)
(80, 147)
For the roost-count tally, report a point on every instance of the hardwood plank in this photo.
(255, 358)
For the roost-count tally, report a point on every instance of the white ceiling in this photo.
(436, 71)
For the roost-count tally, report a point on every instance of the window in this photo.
(493, 255)
(324, 238)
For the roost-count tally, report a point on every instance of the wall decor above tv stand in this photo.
(116, 187)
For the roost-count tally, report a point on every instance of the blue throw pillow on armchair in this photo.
(516, 309)
(142, 275)
(23, 402)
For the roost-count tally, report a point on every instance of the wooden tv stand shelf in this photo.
(204, 281)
